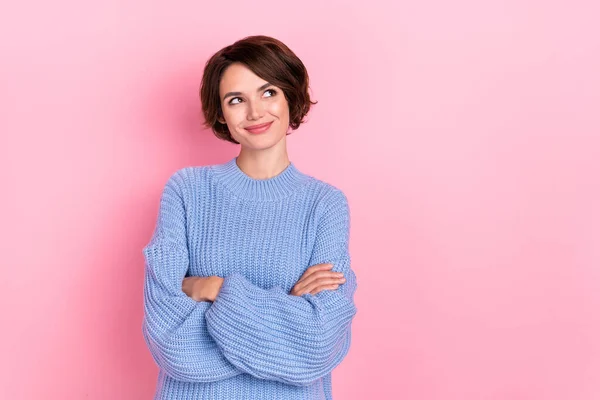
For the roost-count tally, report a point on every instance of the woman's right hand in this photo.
(317, 278)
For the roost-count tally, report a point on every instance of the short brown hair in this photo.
(269, 59)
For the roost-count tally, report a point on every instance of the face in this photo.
(248, 101)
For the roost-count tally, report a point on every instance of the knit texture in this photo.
(255, 341)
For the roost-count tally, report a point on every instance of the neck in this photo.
(243, 186)
(262, 164)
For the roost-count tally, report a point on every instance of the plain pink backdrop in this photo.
(466, 135)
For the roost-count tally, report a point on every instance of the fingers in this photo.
(318, 285)
(318, 275)
(321, 288)
(317, 278)
(322, 282)
(315, 268)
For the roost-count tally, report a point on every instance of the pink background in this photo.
(466, 135)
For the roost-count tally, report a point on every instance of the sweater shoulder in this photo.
(327, 194)
(188, 177)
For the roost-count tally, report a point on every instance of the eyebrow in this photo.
(229, 94)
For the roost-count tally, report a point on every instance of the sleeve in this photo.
(271, 334)
(174, 326)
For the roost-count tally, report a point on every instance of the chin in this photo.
(260, 141)
(260, 144)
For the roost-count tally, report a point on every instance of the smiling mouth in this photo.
(259, 128)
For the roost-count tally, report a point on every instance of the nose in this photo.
(255, 110)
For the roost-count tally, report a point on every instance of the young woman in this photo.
(248, 287)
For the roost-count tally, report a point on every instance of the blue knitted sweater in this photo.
(255, 341)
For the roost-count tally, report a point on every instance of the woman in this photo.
(248, 287)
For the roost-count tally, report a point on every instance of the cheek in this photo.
(232, 115)
(281, 109)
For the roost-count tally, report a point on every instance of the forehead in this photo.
(240, 78)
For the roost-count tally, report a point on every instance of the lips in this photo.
(259, 128)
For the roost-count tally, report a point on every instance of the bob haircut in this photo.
(269, 59)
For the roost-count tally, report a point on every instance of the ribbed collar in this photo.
(242, 185)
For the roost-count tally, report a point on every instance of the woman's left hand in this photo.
(202, 288)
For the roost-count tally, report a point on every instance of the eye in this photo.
(231, 102)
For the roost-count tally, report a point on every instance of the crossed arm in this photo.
(267, 333)
(314, 280)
